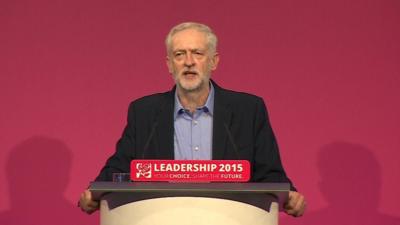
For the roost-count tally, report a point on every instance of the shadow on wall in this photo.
(350, 181)
(38, 171)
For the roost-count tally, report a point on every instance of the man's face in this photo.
(190, 61)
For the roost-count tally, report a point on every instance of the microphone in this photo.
(231, 140)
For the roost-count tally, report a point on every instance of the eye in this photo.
(179, 53)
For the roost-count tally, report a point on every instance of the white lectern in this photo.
(161, 203)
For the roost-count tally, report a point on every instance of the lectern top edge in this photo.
(192, 187)
(251, 193)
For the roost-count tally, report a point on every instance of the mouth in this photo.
(190, 75)
(193, 73)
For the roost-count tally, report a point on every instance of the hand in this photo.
(87, 204)
(296, 204)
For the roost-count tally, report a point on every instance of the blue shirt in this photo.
(193, 132)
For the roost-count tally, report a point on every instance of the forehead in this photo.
(189, 39)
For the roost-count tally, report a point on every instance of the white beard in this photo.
(189, 85)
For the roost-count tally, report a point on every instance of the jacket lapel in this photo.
(222, 118)
(165, 128)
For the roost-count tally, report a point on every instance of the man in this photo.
(198, 119)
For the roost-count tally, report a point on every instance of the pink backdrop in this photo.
(328, 70)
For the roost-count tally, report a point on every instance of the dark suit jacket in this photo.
(241, 130)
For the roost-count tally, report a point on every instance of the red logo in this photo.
(143, 170)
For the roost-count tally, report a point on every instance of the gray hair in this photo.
(211, 37)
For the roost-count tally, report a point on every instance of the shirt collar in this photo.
(208, 107)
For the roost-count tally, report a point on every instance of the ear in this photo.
(214, 61)
(168, 62)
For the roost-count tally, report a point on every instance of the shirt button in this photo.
(196, 148)
(195, 122)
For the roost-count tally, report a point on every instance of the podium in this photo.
(162, 203)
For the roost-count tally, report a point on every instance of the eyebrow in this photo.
(190, 50)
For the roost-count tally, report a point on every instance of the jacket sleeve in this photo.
(119, 162)
(268, 166)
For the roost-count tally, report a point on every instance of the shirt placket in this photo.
(196, 135)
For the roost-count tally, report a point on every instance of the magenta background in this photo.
(328, 70)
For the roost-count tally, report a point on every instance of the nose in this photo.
(189, 61)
